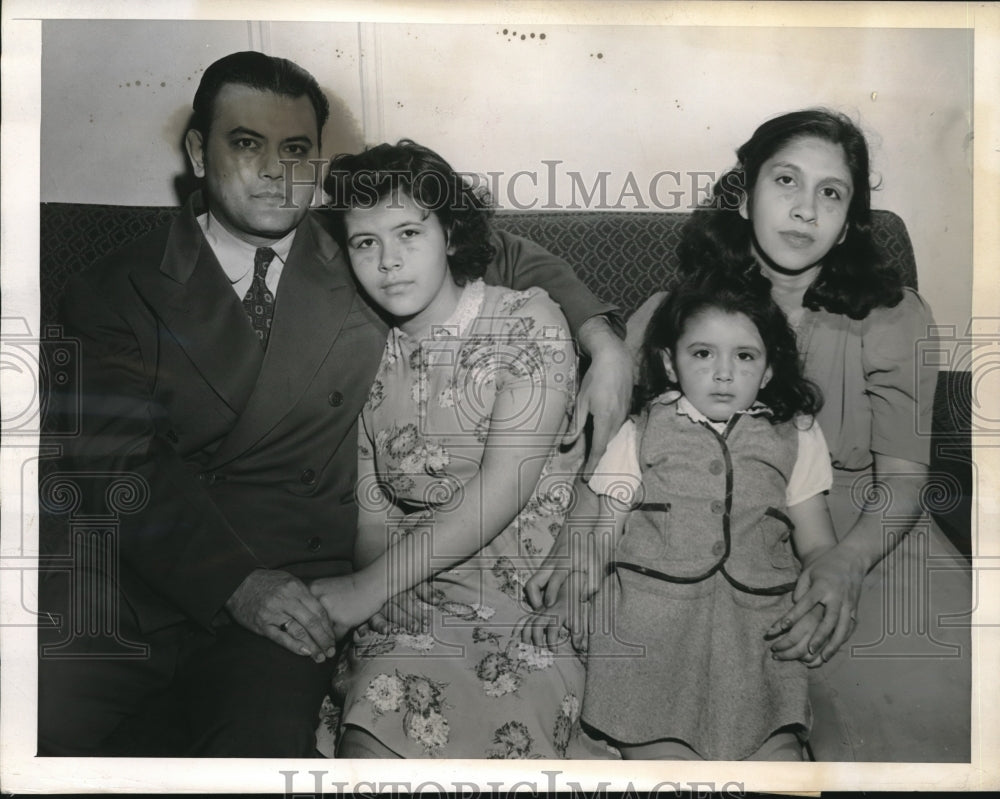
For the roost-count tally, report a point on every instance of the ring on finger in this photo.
(284, 625)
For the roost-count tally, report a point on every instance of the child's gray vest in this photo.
(712, 502)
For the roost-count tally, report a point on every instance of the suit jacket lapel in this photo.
(191, 295)
(314, 297)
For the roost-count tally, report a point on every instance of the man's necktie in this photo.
(259, 301)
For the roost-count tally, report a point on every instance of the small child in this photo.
(725, 471)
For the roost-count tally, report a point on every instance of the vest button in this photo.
(718, 548)
(336, 399)
(314, 543)
(308, 477)
(716, 467)
(717, 506)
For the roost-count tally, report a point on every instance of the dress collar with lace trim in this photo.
(470, 305)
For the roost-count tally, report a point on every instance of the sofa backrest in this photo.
(623, 256)
(626, 256)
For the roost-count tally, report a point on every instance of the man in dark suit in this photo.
(225, 359)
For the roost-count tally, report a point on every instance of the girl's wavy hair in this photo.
(461, 205)
(743, 291)
(854, 277)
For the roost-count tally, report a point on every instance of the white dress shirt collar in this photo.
(237, 256)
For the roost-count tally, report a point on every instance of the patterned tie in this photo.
(259, 302)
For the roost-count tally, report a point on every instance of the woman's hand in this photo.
(545, 587)
(572, 573)
(569, 555)
(794, 645)
(542, 588)
(606, 390)
(584, 545)
(832, 582)
(833, 578)
(347, 601)
(567, 616)
(559, 591)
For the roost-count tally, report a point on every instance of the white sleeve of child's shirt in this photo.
(812, 473)
(618, 474)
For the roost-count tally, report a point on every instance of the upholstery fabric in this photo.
(623, 256)
(626, 256)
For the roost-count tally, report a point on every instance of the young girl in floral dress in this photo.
(459, 485)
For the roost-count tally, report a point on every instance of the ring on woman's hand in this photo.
(284, 625)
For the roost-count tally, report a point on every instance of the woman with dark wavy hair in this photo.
(853, 279)
(798, 202)
(459, 486)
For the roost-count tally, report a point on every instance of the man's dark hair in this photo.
(258, 71)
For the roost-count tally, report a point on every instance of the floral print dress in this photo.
(468, 688)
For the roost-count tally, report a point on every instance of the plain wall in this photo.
(632, 102)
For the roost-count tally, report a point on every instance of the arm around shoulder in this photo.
(637, 324)
(520, 263)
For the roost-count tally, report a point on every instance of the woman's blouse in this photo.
(878, 389)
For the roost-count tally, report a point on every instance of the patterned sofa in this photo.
(623, 256)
